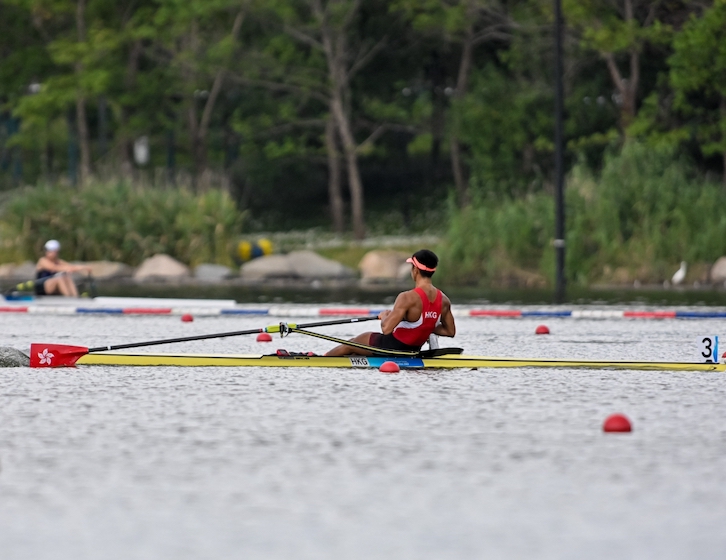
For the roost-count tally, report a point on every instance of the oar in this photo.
(377, 351)
(62, 355)
(431, 353)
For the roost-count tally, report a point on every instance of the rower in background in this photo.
(53, 275)
(416, 314)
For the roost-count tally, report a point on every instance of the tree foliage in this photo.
(343, 109)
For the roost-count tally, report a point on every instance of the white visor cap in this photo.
(52, 245)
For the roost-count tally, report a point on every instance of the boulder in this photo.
(271, 266)
(10, 357)
(161, 266)
(718, 271)
(211, 272)
(306, 265)
(6, 270)
(383, 265)
(106, 270)
(404, 271)
(24, 271)
(309, 265)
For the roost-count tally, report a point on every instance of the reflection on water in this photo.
(228, 463)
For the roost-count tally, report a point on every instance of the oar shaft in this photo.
(270, 329)
(172, 340)
(335, 322)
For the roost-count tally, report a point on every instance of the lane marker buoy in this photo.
(389, 367)
(542, 329)
(187, 318)
(617, 423)
(264, 337)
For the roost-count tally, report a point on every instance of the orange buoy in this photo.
(264, 337)
(187, 318)
(542, 329)
(389, 367)
(617, 423)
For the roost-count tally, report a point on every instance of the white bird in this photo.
(680, 274)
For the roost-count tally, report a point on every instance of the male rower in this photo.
(416, 314)
(53, 274)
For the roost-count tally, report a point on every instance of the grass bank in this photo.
(636, 219)
(120, 222)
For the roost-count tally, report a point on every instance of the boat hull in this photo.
(441, 362)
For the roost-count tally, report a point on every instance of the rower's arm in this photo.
(47, 264)
(389, 319)
(447, 326)
(62, 266)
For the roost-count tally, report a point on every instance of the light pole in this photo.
(559, 242)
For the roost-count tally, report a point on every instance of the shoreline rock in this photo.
(297, 265)
(376, 266)
(162, 266)
(11, 357)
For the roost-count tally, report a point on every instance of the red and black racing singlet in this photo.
(417, 332)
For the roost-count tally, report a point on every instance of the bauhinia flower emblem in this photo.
(45, 357)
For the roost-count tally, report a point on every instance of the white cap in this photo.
(52, 245)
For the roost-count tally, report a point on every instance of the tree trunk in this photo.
(627, 88)
(83, 140)
(723, 136)
(334, 47)
(355, 184)
(81, 120)
(125, 142)
(335, 196)
(437, 75)
(199, 129)
(193, 138)
(462, 84)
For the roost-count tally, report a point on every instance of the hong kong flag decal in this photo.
(55, 355)
(46, 358)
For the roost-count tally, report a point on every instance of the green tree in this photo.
(698, 65)
(468, 24)
(329, 27)
(197, 39)
(619, 30)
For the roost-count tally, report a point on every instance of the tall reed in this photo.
(121, 222)
(642, 214)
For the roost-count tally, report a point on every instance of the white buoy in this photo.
(680, 274)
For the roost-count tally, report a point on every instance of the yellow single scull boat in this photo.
(449, 361)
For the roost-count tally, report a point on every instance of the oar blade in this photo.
(55, 355)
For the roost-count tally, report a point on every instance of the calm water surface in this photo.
(224, 463)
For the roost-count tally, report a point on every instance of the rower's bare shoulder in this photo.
(445, 303)
(407, 296)
(43, 263)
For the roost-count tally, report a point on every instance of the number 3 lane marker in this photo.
(708, 349)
